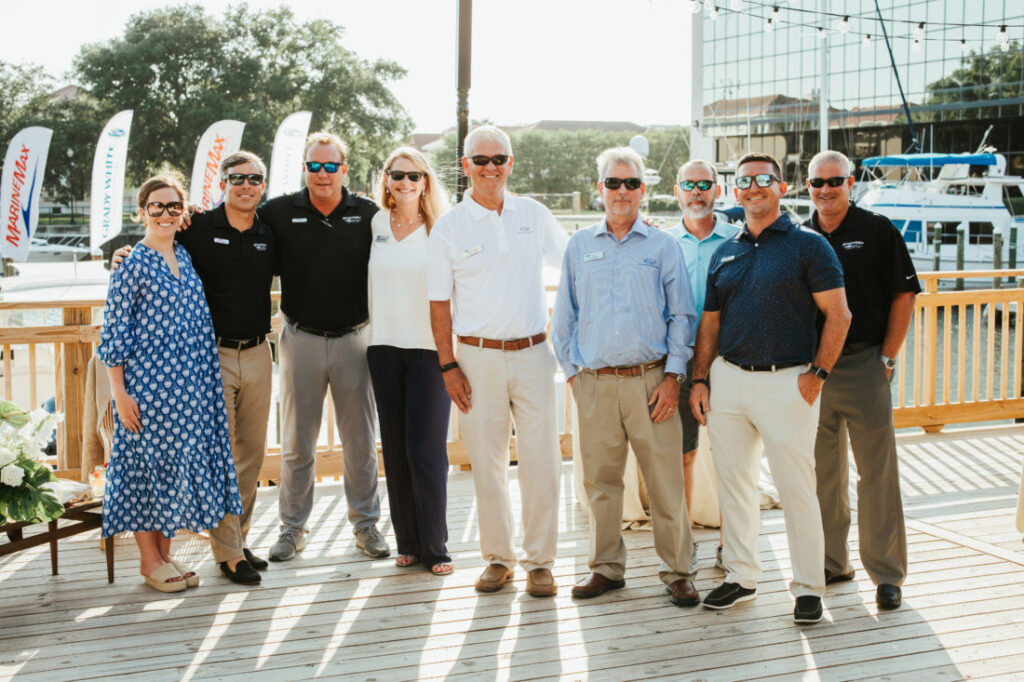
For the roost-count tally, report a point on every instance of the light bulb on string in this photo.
(709, 5)
(822, 33)
(696, 7)
(1003, 38)
(768, 26)
(963, 46)
(775, 14)
(844, 25)
(735, 5)
(917, 45)
(867, 38)
(919, 32)
(714, 14)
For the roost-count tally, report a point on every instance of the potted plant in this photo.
(24, 473)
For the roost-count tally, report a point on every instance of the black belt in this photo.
(858, 346)
(329, 333)
(765, 368)
(240, 344)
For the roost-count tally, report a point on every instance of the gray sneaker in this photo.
(288, 543)
(372, 542)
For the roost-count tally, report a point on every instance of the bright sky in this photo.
(532, 59)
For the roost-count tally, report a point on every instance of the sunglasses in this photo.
(397, 175)
(481, 160)
(818, 183)
(630, 183)
(702, 185)
(330, 166)
(236, 179)
(762, 180)
(155, 209)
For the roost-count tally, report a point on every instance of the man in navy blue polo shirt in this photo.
(765, 288)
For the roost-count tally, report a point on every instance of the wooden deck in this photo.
(333, 613)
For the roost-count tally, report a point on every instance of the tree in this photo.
(181, 70)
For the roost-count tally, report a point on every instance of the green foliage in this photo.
(12, 414)
(30, 501)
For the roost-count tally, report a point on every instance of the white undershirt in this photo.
(399, 310)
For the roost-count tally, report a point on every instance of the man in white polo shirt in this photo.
(485, 283)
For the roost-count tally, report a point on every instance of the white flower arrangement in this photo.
(24, 472)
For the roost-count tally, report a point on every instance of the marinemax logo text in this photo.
(15, 210)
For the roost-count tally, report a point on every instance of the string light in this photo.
(696, 7)
(919, 32)
(844, 25)
(775, 14)
(917, 45)
(735, 5)
(963, 46)
(768, 27)
(714, 14)
(822, 34)
(1002, 37)
(709, 5)
(867, 38)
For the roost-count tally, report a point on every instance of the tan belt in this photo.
(511, 344)
(632, 371)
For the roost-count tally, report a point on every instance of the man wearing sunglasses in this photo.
(323, 234)
(485, 282)
(764, 290)
(234, 254)
(623, 323)
(880, 286)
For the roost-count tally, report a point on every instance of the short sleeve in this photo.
(555, 239)
(820, 263)
(711, 292)
(117, 340)
(440, 279)
(902, 274)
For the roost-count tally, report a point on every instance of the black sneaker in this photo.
(727, 594)
(808, 610)
(244, 573)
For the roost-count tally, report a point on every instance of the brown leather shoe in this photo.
(540, 583)
(683, 593)
(493, 578)
(595, 584)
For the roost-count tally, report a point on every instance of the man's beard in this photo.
(697, 213)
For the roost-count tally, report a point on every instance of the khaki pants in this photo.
(613, 413)
(747, 407)
(522, 381)
(246, 376)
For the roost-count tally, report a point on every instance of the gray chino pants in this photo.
(856, 401)
(311, 364)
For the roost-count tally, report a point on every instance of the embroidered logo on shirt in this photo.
(259, 246)
(381, 239)
(650, 262)
(850, 246)
(525, 229)
(596, 255)
(726, 259)
(221, 240)
(352, 219)
(472, 251)
(298, 220)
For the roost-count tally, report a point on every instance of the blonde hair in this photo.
(433, 201)
(164, 179)
(324, 137)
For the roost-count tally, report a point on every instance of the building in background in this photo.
(758, 84)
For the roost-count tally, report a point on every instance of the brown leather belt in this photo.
(632, 371)
(511, 344)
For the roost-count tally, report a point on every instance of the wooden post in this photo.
(76, 362)
(960, 234)
(1013, 254)
(997, 258)
(577, 203)
(937, 242)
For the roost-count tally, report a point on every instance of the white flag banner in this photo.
(108, 168)
(220, 140)
(289, 150)
(22, 180)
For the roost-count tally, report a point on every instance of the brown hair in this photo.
(764, 158)
(166, 178)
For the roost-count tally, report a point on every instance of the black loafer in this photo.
(888, 596)
(831, 577)
(244, 573)
(254, 561)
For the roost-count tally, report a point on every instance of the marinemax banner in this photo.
(219, 141)
(20, 185)
(289, 150)
(108, 181)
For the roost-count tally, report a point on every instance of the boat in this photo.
(967, 193)
(58, 249)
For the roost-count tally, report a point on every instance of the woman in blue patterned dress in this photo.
(171, 465)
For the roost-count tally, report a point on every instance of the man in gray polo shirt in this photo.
(765, 288)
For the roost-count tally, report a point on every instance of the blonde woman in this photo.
(412, 405)
(170, 465)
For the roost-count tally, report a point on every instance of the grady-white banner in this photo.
(220, 140)
(286, 159)
(20, 185)
(108, 181)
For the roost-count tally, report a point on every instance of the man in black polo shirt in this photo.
(323, 236)
(880, 286)
(764, 290)
(234, 254)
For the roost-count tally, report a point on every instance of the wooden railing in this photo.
(961, 363)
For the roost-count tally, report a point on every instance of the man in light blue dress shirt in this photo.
(700, 233)
(623, 322)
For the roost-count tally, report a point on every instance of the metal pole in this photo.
(997, 258)
(462, 107)
(823, 90)
(1013, 253)
(915, 146)
(937, 242)
(960, 234)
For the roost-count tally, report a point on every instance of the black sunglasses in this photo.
(818, 183)
(702, 185)
(762, 180)
(237, 179)
(397, 175)
(481, 160)
(315, 166)
(155, 209)
(630, 183)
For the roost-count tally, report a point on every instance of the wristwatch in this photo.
(678, 378)
(694, 382)
(819, 372)
(887, 362)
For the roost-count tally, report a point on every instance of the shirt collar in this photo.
(782, 224)
(478, 212)
(639, 227)
(847, 220)
(301, 198)
(219, 219)
(719, 230)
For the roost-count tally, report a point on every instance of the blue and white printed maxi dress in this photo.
(178, 472)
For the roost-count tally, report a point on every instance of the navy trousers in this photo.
(413, 409)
